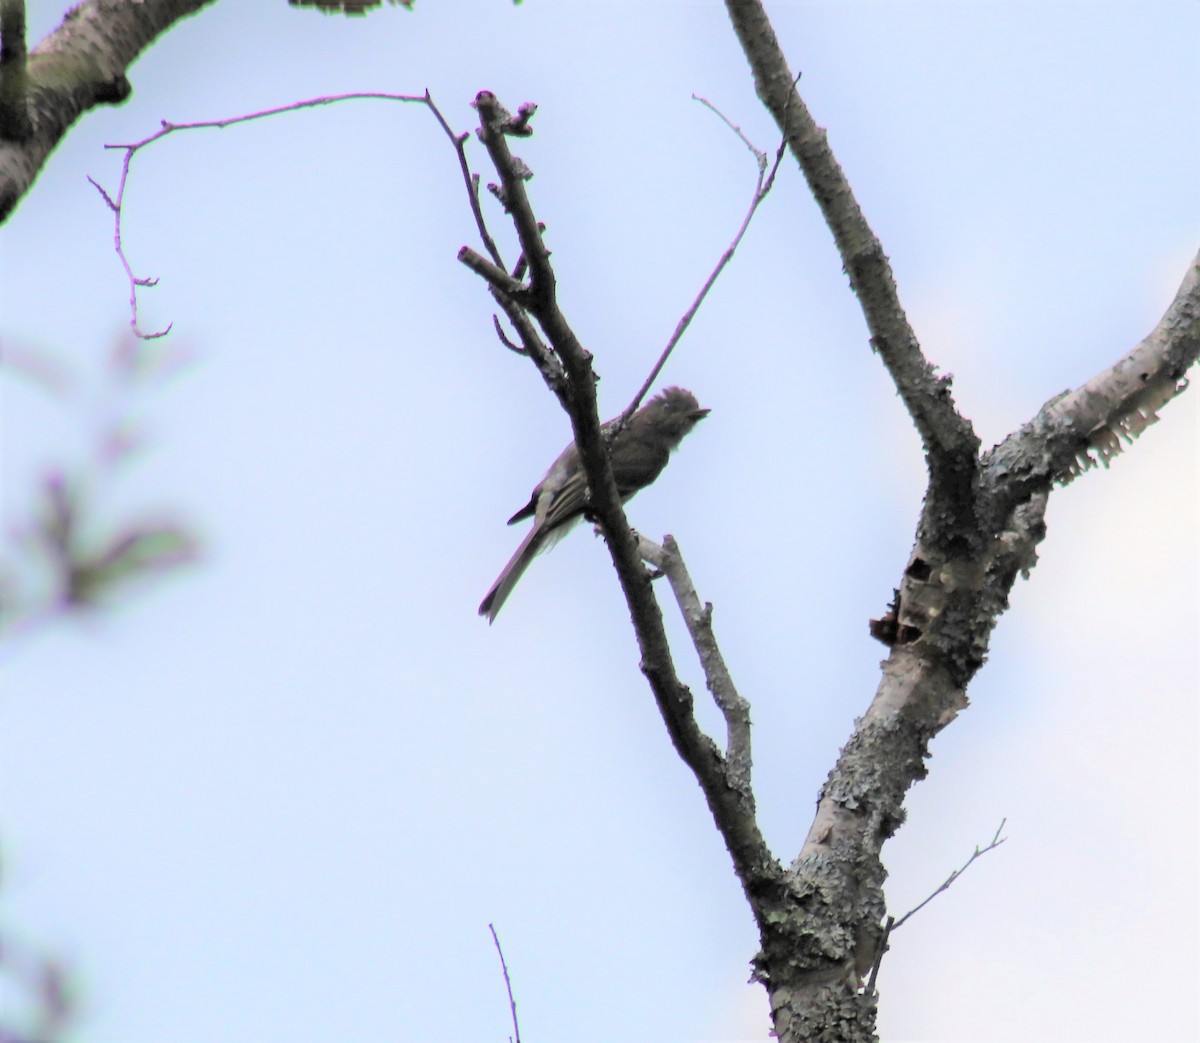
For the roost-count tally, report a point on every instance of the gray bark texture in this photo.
(821, 920)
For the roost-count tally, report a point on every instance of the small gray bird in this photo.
(638, 454)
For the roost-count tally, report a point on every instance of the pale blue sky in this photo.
(282, 796)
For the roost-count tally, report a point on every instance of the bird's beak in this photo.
(699, 414)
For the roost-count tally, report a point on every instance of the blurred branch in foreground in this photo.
(58, 552)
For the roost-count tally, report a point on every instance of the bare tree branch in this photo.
(761, 189)
(893, 924)
(512, 1003)
(471, 181)
(821, 921)
(494, 274)
(1117, 404)
(951, 444)
(731, 807)
(719, 681)
(115, 203)
(978, 531)
(995, 842)
(81, 64)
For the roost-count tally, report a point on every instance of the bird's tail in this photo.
(517, 564)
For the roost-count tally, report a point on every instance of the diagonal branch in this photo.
(893, 924)
(470, 180)
(762, 188)
(951, 444)
(496, 123)
(512, 1003)
(979, 852)
(717, 678)
(731, 806)
(1116, 404)
(979, 530)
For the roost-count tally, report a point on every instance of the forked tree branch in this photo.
(951, 445)
(717, 678)
(982, 521)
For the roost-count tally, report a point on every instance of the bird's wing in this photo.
(563, 503)
(636, 462)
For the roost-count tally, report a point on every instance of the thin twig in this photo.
(134, 281)
(511, 345)
(114, 203)
(329, 99)
(762, 187)
(892, 923)
(531, 344)
(470, 180)
(996, 841)
(496, 124)
(512, 1004)
(883, 948)
(758, 154)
